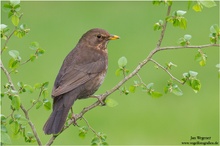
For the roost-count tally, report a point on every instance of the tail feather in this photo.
(61, 107)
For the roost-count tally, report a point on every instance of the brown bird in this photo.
(82, 72)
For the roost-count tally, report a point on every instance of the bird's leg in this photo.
(99, 97)
(73, 118)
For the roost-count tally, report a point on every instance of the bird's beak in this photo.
(113, 37)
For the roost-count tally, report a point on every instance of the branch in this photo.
(21, 106)
(31, 125)
(8, 38)
(87, 123)
(189, 47)
(163, 29)
(159, 65)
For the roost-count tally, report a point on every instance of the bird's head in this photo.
(98, 38)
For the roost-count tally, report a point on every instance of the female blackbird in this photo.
(82, 72)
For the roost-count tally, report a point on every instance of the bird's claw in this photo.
(74, 120)
(99, 97)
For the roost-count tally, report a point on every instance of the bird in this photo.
(81, 74)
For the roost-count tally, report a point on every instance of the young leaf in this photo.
(111, 102)
(176, 90)
(197, 7)
(193, 73)
(14, 54)
(208, 3)
(34, 45)
(122, 62)
(16, 102)
(47, 104)
(196, 85)
(15, 20)
(180, 13)
(39, 104)
(132, 88)
(155, 94)
(5, 138)
(83, 131)
(118, 71)
(187, 37)
(15, 2)
(150, 85)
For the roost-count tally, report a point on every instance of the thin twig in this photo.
(142, 82)
(159, 65)
(163, 29)
(38, 99)
(31, 125)
(8, 38)
(87, 123)
(189, 47)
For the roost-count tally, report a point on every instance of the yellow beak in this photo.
(113, 37)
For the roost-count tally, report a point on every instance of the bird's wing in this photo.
(73, 76)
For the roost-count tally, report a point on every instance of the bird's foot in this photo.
(74, 120)
(99, 97)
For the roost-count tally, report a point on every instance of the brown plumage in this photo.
(82, 72)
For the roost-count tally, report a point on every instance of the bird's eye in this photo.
(99, 36)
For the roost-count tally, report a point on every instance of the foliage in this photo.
(18, 124)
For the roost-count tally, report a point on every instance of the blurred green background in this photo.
(138, 119)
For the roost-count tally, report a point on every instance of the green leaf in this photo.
(187, 37)
(14, 127)
(193, 73)
(83, 131)
(196, 85)
(202, 63)
(170, 65)
(176, 90)
(122, 62)
(15, 2)
(111, 102)
(45, 84)
(47, 104)
(180, 13)
(208, 3)
(155, 94)
(214, 28)
(218, 66)
(158, 25)
(20, 84)
(5, 138)
(29, 88)
(197, 7)
(17, 116)
(16, 102)
(15, 20)
(33, 57)
(14, 54)
(23, 121)
(150, 85)
(132, 88)
(40, 52)
(37, 86)
(3, 118)
(39, 104)
(183, 23)
(34, 45)
(118, 72)
(13, 63)
(45, 93)
(3, 26)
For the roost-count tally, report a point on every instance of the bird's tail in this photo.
(61, 107)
